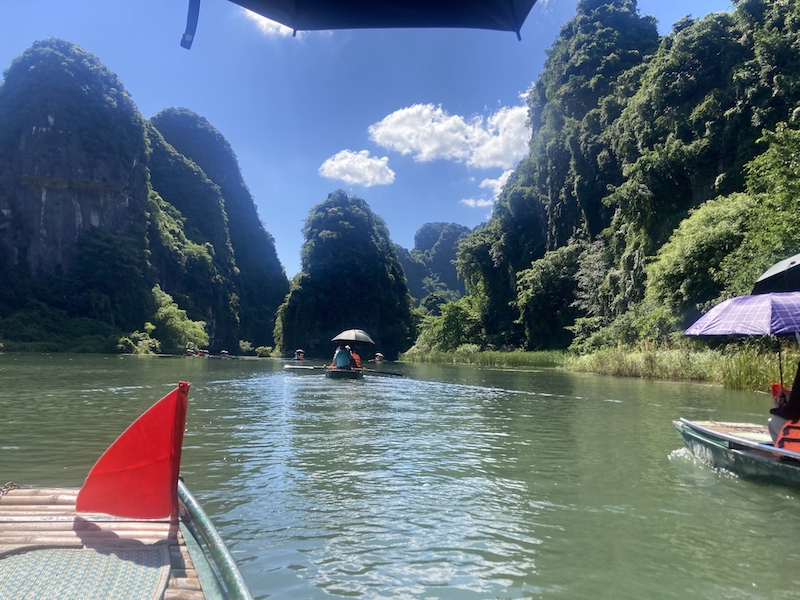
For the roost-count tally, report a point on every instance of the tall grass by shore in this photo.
(471, 354)
(734, 368)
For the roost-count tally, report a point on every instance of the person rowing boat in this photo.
(786, 406)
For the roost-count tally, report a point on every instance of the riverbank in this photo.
(750, 369)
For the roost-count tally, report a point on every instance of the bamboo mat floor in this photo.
(34, 519)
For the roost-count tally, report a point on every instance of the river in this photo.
(450, 482)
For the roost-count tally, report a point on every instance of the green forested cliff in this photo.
(350, 278)
(660, 179)
(107, 229)
(430, 265)
(261, 280)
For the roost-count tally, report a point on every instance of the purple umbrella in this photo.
(776, 313)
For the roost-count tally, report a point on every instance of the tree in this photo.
(456, 325)
(546, 295)
(350, 278)
(687, 270)
(173, 328)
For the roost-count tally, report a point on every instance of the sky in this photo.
(423, 124)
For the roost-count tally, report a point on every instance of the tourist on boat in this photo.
(355, 361)
(299, 354)
(787, 407)
(341, 358)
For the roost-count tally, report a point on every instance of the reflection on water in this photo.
(448, 483)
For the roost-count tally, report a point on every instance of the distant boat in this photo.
(132, 531)
(745, 449)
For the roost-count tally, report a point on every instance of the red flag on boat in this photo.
(137, 476)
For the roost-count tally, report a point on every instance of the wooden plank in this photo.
(12, 498)
(161, 533)
(24, 509)
(91, 538)
(94, 542)
(184, 583)
(180, 594)
(30, 491)
(80, 525)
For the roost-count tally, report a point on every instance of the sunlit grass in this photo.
(749, 368)
(470, 354)
(752, 370)
(651, 364)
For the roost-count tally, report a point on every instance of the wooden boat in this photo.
(342, 373)
(133, 530)
(745, 449)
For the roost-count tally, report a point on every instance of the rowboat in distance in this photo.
(744, 449)
(343, 373)
(133, 530)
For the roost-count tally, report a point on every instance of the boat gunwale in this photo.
(218, 554)
(344, 372)
(738, 440)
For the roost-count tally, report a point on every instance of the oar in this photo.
(383, 372)
(301, 367)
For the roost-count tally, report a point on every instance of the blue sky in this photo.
(422, 124)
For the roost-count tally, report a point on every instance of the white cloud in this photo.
(428, 132)
(505, 140)
(358, 168)
(266, 26)
(477, 203)
(495, 185)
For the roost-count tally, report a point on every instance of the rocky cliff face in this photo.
(262, 282)
(73, 155)
(96, 209)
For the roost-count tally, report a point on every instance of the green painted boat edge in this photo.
(198, 524)
(209, 579)
(745, 458)
(718, 438)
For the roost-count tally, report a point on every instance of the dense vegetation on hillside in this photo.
(430, 265)
(661, 179)
(261, 280)
(350, 278)
(110, 239)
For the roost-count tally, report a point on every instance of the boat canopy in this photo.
(315, 15)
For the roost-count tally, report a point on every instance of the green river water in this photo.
(451, 482)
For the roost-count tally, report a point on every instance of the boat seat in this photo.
(789, 437)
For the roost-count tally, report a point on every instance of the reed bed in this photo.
(749, 368)
(683, 365)
(752, 370)
(471, 354)
(735, 367)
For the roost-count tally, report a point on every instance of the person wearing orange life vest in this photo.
(786, 407)
(355, 360)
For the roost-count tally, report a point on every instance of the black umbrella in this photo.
(783, 276)
(354, 336)
(311, 15)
